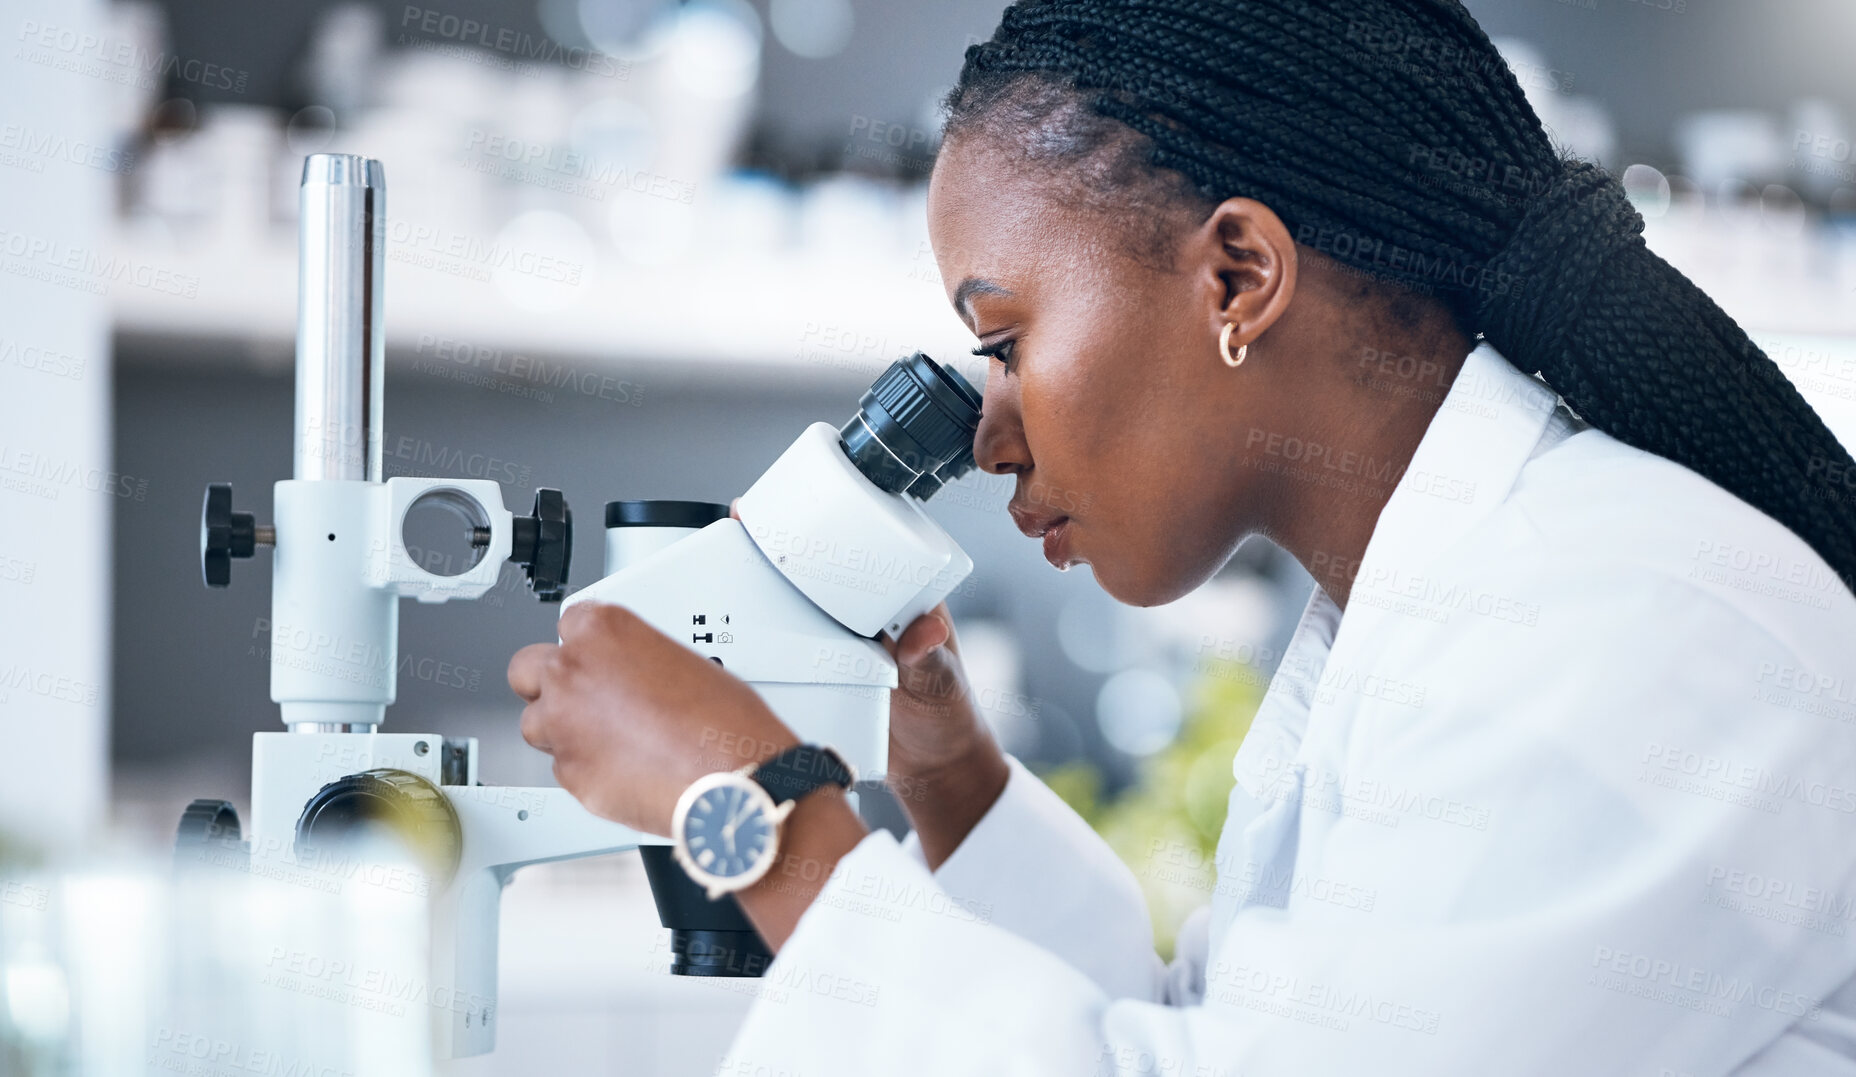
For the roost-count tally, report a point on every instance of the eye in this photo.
(1002, 351)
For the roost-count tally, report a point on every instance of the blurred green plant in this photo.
(1165, 825)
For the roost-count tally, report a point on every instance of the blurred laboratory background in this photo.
(633, 247)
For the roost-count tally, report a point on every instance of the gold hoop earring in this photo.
(1224, 346)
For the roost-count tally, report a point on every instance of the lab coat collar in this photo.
(1488, 426)
(1467, 462)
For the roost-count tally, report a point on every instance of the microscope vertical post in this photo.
(340, 346)
(335, 633)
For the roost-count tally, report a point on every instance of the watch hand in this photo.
(740, 813)
(734, 822)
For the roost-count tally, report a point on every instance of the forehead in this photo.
(1007, 221)
(977, 202)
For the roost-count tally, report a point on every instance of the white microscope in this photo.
(831, 549)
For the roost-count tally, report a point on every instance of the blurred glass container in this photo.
(139, 28)
(747, 217)
(343, 59)
(213, 186)
(128, 967)
(851, 220)
(698, 69)
(1823, 149)
(168, 191)
(1730, 144)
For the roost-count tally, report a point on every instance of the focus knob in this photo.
(225, 534)
(543, 543)
(349, 813)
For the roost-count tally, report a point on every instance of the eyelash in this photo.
(1001, 351)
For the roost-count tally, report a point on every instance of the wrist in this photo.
(733, 750)
(945, 802)
(822, 829)
(968, 771)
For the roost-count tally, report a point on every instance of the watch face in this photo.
(727, 832)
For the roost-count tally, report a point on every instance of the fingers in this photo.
(579, 619)
(734, 509)
(534, 727)
(590, 619)
(528, 667)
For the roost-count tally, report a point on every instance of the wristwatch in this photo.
(726, 826)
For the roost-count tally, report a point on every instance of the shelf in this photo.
(747, 317)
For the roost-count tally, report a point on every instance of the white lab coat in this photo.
(1571, 789)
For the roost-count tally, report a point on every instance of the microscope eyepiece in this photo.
(913, 431)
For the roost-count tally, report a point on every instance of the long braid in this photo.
(1390, 136)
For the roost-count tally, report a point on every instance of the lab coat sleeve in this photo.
(886, 974)
(1033, 867)
(1557, 882)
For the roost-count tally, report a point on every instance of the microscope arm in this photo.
(510, 827)
(504, 828)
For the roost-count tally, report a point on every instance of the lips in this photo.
(1053, 528)
(1057, 544)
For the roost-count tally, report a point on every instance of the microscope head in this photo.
(839, 514)
(831, 548)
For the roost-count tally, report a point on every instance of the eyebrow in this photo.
(972, 286)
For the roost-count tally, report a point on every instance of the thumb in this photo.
(921, 638)
(928, 657)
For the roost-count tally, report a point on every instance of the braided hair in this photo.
(1390, 136)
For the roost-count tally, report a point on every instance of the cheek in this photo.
(1082, 393)
(1145, 522)
(1115, 423)
(1125, 366)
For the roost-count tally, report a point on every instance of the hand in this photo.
(626, 712)
(945, 769)
(933, 724)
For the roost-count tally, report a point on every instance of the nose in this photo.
(999, 446)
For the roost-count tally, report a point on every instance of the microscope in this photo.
(831, 549)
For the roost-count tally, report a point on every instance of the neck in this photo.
(1369, 424)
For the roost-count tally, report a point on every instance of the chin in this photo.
(1138, 589)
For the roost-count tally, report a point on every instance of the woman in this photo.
(1290, 268)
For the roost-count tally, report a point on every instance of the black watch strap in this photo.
(800, 769)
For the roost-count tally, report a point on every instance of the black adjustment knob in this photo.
(208, 838)
(225, 534)
(349, 814)
(206, 823)
(544, 545)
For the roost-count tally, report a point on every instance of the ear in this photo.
(1249, 267)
